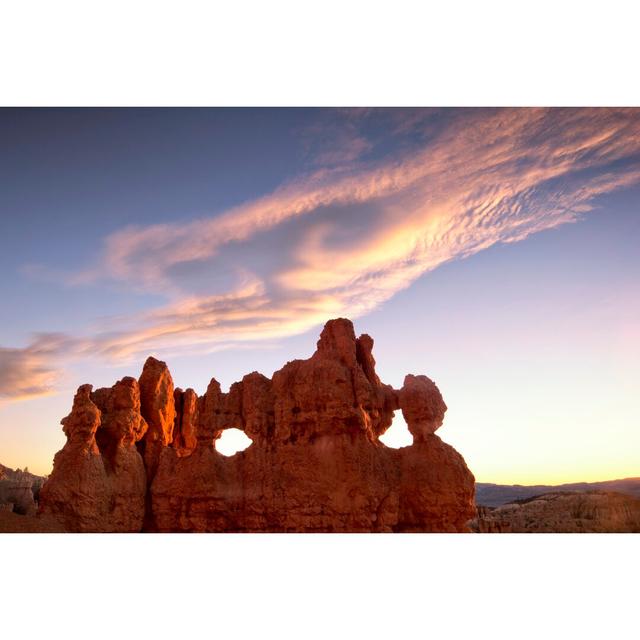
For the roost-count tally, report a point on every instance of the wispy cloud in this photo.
(28, 372)
(345, 238)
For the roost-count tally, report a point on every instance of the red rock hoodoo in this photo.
(142, 456)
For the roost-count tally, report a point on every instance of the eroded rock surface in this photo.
(422, 406)
(316, 462)
(98, 482)
(157, 405)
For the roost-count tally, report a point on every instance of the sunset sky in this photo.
(496, 251)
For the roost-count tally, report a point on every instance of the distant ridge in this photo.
(494, 495)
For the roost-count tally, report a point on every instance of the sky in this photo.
(494, 250)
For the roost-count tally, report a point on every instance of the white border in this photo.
(329, 53)
(338, 52)
(319, 586)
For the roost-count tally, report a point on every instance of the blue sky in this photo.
(493, 250)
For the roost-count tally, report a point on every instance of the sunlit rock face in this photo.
(315, 463)
(98, 482)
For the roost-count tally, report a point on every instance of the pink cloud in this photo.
(26, 373)
(363, 232)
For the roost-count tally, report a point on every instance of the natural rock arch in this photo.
(315, 464)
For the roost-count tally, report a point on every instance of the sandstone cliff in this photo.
(142, 456)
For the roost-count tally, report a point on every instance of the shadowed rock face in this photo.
(315, 464)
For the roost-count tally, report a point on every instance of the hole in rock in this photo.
(397, 435)
(231, 441)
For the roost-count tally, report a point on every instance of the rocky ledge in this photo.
(141, 456)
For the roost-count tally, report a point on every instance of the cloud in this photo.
(479, 167)
(26, 373)
(334, 139)
(345, 238)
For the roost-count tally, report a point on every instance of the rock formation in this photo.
(142, 456)
(19, 490)
(98, 481)
(563, 512)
